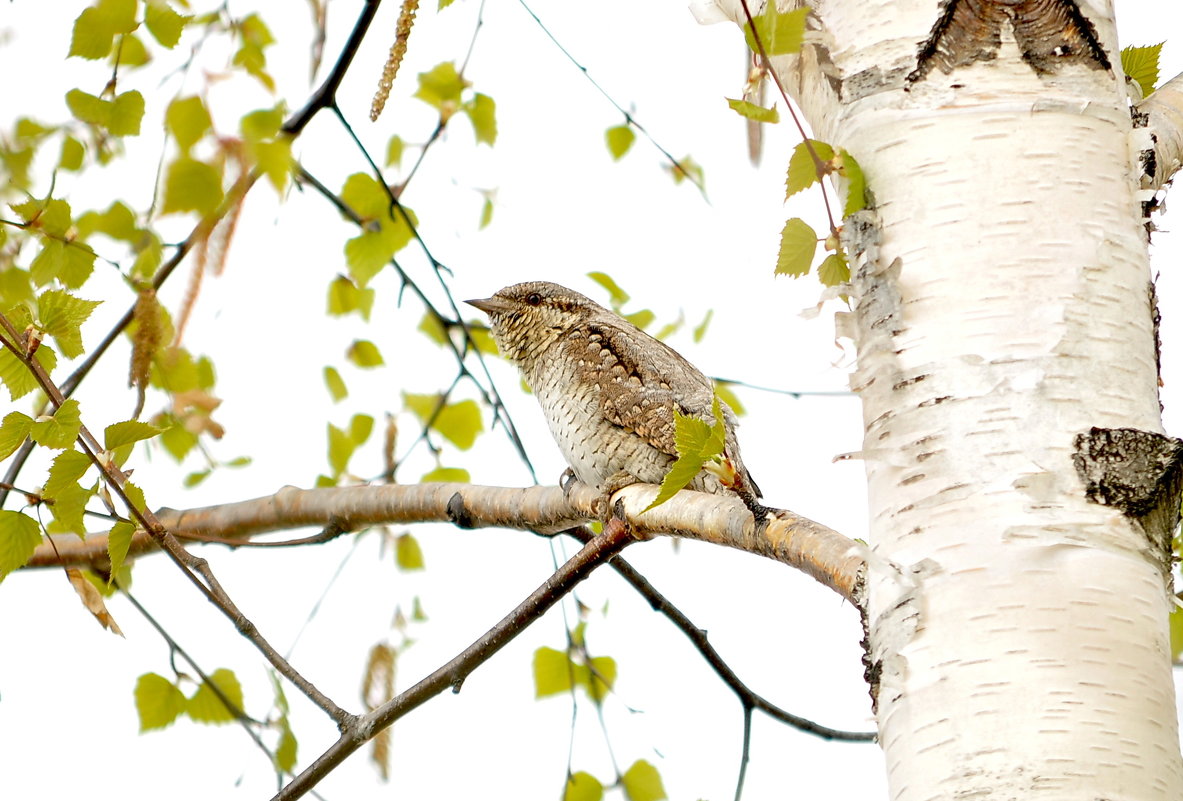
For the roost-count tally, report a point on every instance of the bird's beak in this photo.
(491, 305)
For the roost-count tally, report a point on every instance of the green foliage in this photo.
(780, 33)
(1141, 64)
(619, 139)
(158, 701)
(803, 171)
(17, 377)
(798, 243)
(205, 706)
(165, 24)
(458, 422)
(833, 270)
(642, 782)
(583, 786)
(68, 466)
(394, 151)
(343, 443)
(856, 186)
(96, 27)
(346, 297)
(440, 87)
(191, 185)
(13, 431)
(335, 384)
(617, 295)
(120, 116)
(407, 553)
(556, 672)
(482, 111)
(118, 541)
(61, 316)
(19, 537)
(364, 354)
(60, 429)
(254, 38)
(753, 112)
(188, 120)
(119, 434)
(447, 475)
(698, 443)
(385, 230)
(728, 396)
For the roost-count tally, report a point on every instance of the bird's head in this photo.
(526, 319)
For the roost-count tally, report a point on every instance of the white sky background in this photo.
(67, 720)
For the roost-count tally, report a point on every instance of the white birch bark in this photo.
(1001, 308)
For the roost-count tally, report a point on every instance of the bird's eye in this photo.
(533, 299)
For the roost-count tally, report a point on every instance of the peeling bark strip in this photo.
(1138, 472)
(1049, 33)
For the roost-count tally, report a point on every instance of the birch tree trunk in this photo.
(1019, 588)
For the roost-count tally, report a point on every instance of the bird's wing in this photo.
(642, 381)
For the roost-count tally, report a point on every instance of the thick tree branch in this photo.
(829, 557)
(1165, 110)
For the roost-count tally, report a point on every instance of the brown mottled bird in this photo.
(608, 389)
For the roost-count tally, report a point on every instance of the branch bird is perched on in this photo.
(609, 390)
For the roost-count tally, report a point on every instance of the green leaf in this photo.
(17, 377)
(447, 475)
(700, 330)
(118, 541)
(285, 750)
(72, 154)
(13, 432)
(697, 443)
(460, 423)
(335, 384)
(553, 672)
(728, 396)
(780, 33)
(158, 701)
(1141, 64)
(486, 213)
(127, 432)
(346, 297)
(798, 243)
(130, 53)
(92, 37)
(641, 319)
(619, 139)
(61, 429)
(117, 222)
(341, 448)
(360, 427)
(188, 121)
(127, 111)
(407, 553)
(833, 270)
(206, 707)
(68, 466)
(61, 315)
(394, 151)
(69, 506)
(601, 677)
(583, 786)
(19, 537)
(856, 184)
(618, 296)
(641, 781)
(1176, 627)
(364, 354)
(802, 169)
(191, 185)
(163, 23)
(753, 112)
(274, 158)
(177, 439)
(482, 111)
(441, 87)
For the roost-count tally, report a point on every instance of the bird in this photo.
(609, 390)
